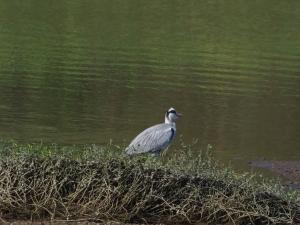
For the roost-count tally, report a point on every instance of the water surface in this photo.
(87, 72)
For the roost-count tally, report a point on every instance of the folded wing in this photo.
(153, 139)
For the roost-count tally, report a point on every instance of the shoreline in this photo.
(288, 170)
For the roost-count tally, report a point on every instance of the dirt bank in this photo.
(60, 222)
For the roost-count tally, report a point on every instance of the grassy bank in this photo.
(98, 183)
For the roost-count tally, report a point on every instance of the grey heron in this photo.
(156, 138)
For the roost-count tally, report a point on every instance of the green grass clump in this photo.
(98, 183)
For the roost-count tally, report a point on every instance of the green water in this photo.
(91, 71)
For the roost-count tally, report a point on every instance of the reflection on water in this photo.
(78, 72)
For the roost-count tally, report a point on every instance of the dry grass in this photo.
(97, 183)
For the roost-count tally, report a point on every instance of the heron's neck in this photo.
(172, 123)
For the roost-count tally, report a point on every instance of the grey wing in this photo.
(153, 139)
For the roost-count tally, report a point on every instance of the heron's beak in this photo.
(179, 114)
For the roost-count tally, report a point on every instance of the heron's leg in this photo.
(164, 152)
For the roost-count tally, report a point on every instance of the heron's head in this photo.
(171, 115)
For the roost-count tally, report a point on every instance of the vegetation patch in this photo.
(98, 183)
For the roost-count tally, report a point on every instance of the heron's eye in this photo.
(172, 111)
